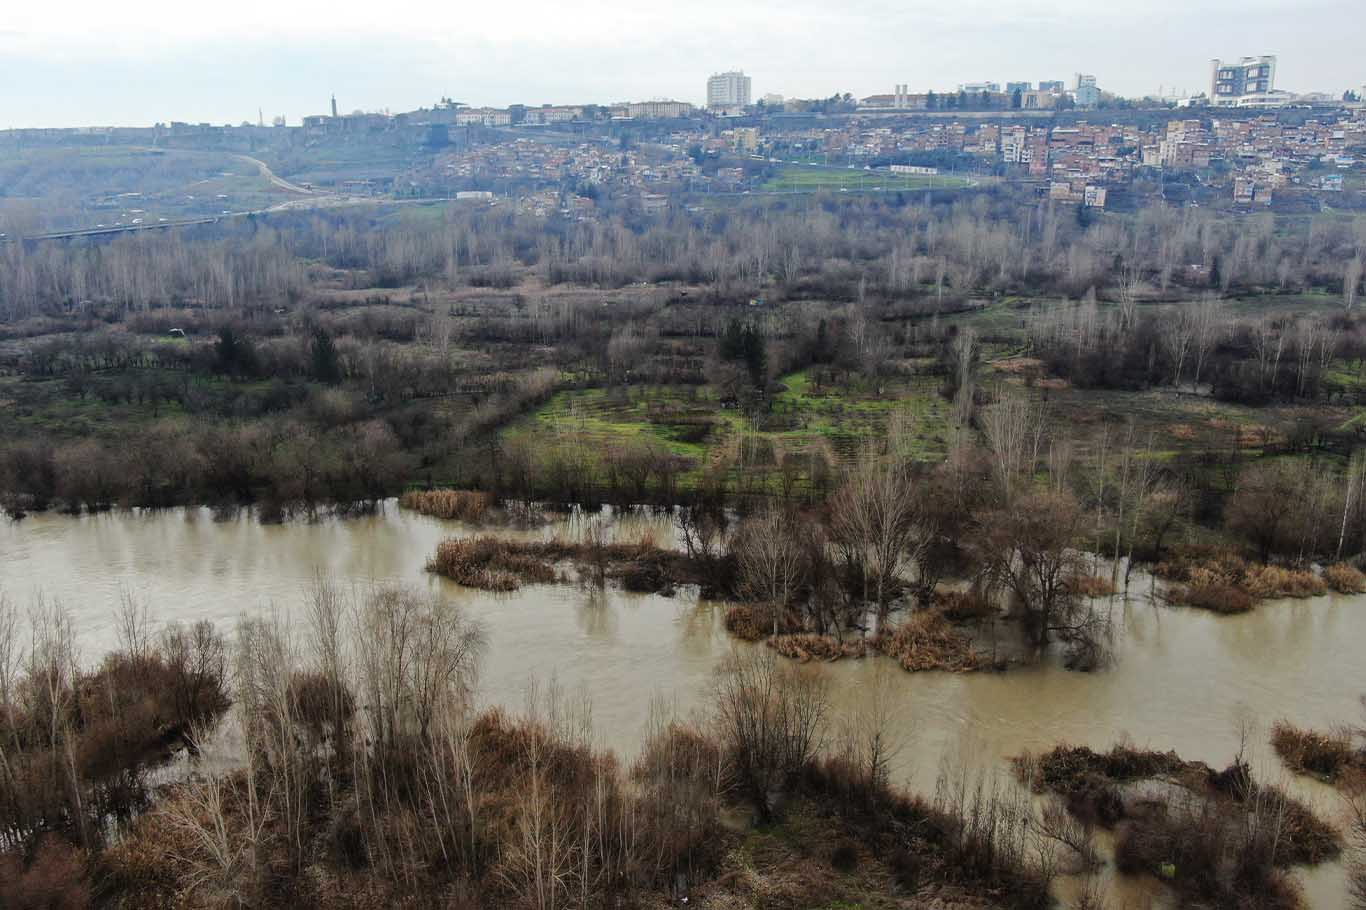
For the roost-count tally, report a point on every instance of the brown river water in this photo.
(1183, 679)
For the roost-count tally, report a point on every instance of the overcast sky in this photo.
(136, 62)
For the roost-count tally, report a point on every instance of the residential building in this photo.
(1246, 82)
(1038, 101)
(658, 110)
(1021, 87)
(744, 139)
(482, 116)
(1015, 147)
(549, 114)
(1085, 92)
(728, 90)
(1055, 86)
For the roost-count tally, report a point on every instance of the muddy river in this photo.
(1182, 679)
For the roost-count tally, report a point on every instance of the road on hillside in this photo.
(276, 180)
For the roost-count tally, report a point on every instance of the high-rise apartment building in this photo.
(1245, 82)
(728, 90)
(1086, 93)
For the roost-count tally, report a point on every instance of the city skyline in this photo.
(148, 61)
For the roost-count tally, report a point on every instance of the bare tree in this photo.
(868, 742)
(1353, 492)
(1028, 549)
(133, 626)
(1351, 282)
(771, 717)
(771, 558)
(1127, 294)
(1208, 329)
(1177, 331)
(1014, 430)
(878, 519)
(964, 352)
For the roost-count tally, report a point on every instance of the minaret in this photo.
(334, 107)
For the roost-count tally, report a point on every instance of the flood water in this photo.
(1183, 679)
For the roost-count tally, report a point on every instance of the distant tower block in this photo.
(334, 107)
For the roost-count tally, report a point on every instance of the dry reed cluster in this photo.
(1224, 582)
(928, 641)
(457, 505)
(489, 564)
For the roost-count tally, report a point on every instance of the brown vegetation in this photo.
(496, 564)
(962, 606)
(1218, 837)
(489, 564)
(77, 743)
(417, 800)
(805, 646)
(1325, 755)
(927, 641)
(1090, 586)
(1220, 580)
(457, 505)
(1345, 579)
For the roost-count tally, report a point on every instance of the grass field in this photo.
(833, 416)
(810, 179)
(109, 185)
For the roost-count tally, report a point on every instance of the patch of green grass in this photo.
(808, 178)
(837, 418)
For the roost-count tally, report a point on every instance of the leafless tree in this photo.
(1354, 490)
(964, 352)
(1177, 331)
(771, 716)
(1014, 430)
(1207, 330)
(1351, 282)
(871, 736)
(770, 556)
(1126, 291)
(878, 518)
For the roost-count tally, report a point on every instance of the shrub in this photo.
(54, 880)
(1090, 586)
(1064, 768)
(1310, 752)
(805, 646)
(1219, 580)
(754, 621)
(1344, 579)
(962, 606)
(458, 505)
(1216, 596)
(489, 564)
(1276, 581)
(927, 641)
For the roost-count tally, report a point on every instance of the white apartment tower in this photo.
(1246, 82)
(729, 89)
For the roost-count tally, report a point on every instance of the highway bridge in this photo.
(123, 228)
(316, 201)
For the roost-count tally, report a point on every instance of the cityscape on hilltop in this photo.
(1242, 143)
